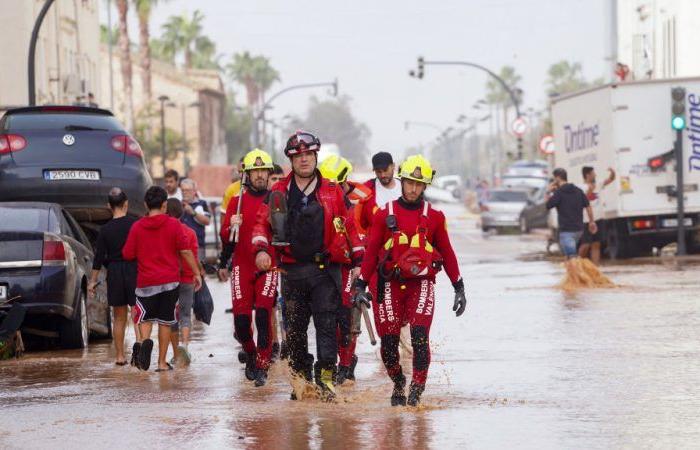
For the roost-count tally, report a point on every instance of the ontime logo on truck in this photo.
(694, 132)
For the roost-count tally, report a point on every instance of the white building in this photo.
(67, 52)
(659, 38)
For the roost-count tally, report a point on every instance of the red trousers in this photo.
(410, 302)
(346, 341)
(252, 289)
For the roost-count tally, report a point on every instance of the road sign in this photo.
(547, 144)
(519, 126)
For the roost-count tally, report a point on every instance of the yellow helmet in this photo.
(417, 168)
(257, 159)
(335, 168)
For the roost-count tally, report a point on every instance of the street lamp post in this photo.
(420, 72)
(185, 144)
(162, 99)
(261, 115)
(31, 68)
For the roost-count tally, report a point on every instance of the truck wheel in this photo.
(524, 226)
(74, 332)
(616, 243)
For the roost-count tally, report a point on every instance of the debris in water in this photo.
(582, 273)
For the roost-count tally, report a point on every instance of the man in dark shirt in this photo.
(196, 214)
(570, 202)
(121, 275)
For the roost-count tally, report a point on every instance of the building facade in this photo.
(67, 51)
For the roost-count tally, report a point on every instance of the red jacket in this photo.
(407, 220)
(361, 198)
(155, 243)
(332, 200)
(186, 274)
(252, 201)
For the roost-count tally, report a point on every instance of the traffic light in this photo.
(678, 108)
(658, 162)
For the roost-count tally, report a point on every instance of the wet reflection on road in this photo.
(528, 365)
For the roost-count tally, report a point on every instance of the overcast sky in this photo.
(370, 46)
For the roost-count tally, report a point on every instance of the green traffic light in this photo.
(678, 123)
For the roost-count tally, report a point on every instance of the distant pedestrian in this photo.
(172, 184)
(91, 100)
(591, 242)
(157, 243)
(180, 338)
(570, 201)
(196, 214)
(276, 175)
(121, 274)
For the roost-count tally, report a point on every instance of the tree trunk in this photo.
(145, 54)
(188, 58)
(125, 63)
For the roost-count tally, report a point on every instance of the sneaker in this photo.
(260, 377)
(135, 354)
(343, 372)
(398, 395)
(250, 370)
(183, 355)
(414, 394)
(144, 355)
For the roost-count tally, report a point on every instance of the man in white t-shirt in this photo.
(172, 184)
(590, 243)
(385, 186)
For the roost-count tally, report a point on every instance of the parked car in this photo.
(503, 208)
(70, 155)
(535, 213)
(529, 168)
(45, 262)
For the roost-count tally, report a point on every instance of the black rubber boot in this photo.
(275, 351)
(414, 394)
(260, 377)
(351, 371)
(250, 370)
(342, 375)
(398, 395)
(242, 357)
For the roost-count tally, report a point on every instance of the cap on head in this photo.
(382, 160)
(301, 142)
(417, 168)
(335, 168)
(257, 159)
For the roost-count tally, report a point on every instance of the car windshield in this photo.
(61, 122)
(508, 196)
(23, 219)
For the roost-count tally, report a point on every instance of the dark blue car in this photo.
(70, 155)
(45, 264)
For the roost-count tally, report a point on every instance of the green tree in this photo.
(238, 129)
(143, 11)
(333, 122)
(151, 145)
(161, 51)
(106, 35)
(181, 35)
(254, 73)
(205, 56)
(564, 77)
(125, 63)
(496, 94)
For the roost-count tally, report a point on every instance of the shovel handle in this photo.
(368, 325)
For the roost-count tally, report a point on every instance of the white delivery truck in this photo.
(627, 127)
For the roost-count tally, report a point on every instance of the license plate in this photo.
(88, 175)
(3, 293)
(672, 223)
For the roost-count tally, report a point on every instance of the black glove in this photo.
(225, 256)
(360, 295)
(460, 298)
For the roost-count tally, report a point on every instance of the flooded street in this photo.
(527, 365)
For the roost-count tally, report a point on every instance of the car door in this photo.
(539, 210)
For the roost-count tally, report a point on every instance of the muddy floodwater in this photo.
(527, 366)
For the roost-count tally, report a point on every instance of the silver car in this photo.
(502, 208)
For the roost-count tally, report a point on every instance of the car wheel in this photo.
(74, 332)
(524, 226)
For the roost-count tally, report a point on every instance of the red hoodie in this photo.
(186, 274)
(155, 243)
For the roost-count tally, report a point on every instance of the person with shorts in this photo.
(591, 242)
(570, 201)
(180, 337)
(121, 274)
(156, 242)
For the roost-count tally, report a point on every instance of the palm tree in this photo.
(125, 62)
(255, 73)
(181, 34)
(143, 10)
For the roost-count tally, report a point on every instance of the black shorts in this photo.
(157, 308)
(121, 283)
(589, 238)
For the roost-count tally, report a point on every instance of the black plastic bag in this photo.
(203, 304)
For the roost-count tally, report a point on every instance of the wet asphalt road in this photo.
(527, 366)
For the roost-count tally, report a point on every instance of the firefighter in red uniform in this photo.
(337, 169)
(407, 245)
(304, 217)
(250, 287)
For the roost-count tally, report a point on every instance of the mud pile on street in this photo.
(581, 273)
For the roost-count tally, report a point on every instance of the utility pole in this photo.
(162, 99)
(31, 67)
